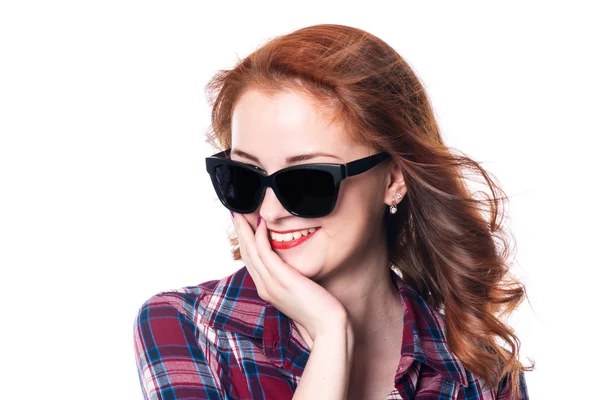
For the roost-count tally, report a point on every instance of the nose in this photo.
(271, 208)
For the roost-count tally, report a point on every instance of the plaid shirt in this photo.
(220, 340)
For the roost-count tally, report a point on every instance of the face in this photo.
(289, 124)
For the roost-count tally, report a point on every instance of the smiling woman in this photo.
(368, 264)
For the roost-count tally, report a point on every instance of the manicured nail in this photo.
(231, 212)
(258, 224)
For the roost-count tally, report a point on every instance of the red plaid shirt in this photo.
(220, 340)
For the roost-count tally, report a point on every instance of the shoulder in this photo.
(180, 340)
(187, 301)
(426, 340)
(172, 318)
(230, 303)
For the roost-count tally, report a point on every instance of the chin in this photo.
(307, 268)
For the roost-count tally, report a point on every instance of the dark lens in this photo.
(237, 186)
(307, 192)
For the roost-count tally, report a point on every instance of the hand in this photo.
(304, 301)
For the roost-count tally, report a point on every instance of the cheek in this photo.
(355, 211)
(354, 206)
(344, 231)
(358, 209)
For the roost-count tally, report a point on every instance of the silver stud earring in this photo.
(393, 207)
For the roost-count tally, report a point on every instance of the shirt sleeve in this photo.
(504, 389)
(173, 356)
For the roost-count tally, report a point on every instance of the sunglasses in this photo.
(306, 190)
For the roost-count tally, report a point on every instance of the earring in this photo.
(393, 207)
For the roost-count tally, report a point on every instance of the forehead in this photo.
(287, 123)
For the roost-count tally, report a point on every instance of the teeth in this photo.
(286, 237)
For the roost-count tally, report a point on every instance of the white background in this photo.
(105, 200)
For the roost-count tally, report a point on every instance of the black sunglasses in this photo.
(306, 190)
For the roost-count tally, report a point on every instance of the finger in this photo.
(246, 240)
(242, 247)
(274, 265)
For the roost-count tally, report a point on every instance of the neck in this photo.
(366, 289)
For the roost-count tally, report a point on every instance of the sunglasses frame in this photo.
(338, 171)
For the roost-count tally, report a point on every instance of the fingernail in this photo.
(258, 224)
(231, 212)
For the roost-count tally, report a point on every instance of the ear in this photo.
(395, 184)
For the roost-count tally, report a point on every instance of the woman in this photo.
(370, 270)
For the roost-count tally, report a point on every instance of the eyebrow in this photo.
(291, 159)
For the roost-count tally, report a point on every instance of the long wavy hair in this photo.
(447, 241)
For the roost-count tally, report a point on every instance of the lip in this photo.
(293, 230)
(292, 243)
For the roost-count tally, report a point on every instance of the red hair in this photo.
(449, 245)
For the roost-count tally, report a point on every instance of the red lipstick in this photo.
(292, 243)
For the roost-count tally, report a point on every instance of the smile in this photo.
(291, 239)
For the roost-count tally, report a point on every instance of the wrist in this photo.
(335, 325)
(337, 331)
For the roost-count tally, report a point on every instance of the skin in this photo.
(341, 275)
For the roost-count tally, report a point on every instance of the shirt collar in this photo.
(234, 305)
